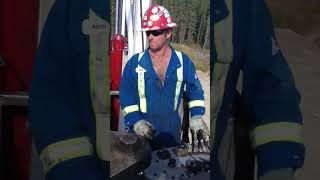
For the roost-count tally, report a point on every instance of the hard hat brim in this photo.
(169, 25)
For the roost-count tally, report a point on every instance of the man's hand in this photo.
(144, 128)
(279, 174)
(197, 123)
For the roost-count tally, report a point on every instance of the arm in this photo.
(196, 99)
(273, 100)
(65, 148)
(130, 106)
(194, 90)
(128, 95)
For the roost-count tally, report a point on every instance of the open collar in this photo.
(174, 63)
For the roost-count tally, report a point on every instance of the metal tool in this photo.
(192, 140)
(199, 138)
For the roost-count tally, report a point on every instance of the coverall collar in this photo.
(220, 10)
(146, 63)
(100, 8)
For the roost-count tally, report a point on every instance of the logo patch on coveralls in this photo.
(140, 70)
(99, 26)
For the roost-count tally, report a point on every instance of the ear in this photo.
(168, 33)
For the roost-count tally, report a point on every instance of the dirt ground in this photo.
(204, 78)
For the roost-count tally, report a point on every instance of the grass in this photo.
(201, 59)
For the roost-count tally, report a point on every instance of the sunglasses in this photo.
(155, 32)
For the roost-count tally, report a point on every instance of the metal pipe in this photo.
(119, 17)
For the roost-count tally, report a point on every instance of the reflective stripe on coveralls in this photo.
(141, 86)
(282, 131)
(65, 150)
(99, 78)
(224, 49)
(195, 103)
(179, 80)
(130, 109)
(141, 83)
(224, 46)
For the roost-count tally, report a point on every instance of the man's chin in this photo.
(154, 48)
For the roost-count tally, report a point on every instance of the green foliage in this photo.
(192, 17)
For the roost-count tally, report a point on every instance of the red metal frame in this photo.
(117, 45)
(18, 43)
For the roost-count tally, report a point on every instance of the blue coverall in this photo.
(268, 94)
(61, 113)
(160, 100)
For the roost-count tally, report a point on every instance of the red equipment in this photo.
(18, 35)
(117, 46)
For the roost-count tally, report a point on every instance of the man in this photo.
(153, 84)
(244, 40)
(64, 114)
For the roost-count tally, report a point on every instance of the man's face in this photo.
(157, 38)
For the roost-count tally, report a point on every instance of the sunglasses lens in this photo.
(155, 32)
(148, 33)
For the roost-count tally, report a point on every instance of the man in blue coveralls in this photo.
(244, 40)
(153, 83)
(65, 111)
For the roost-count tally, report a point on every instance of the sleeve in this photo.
(273, 99)
(65, 148)
(194, 90)
(128, 95)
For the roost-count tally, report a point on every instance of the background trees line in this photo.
(192, 18)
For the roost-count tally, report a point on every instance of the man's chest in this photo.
(160, 67)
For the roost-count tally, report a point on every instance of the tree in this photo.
(192, 18)
(206, 43)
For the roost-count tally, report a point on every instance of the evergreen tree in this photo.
(192, 18)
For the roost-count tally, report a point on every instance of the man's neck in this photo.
(160, 60)
(159, 52)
